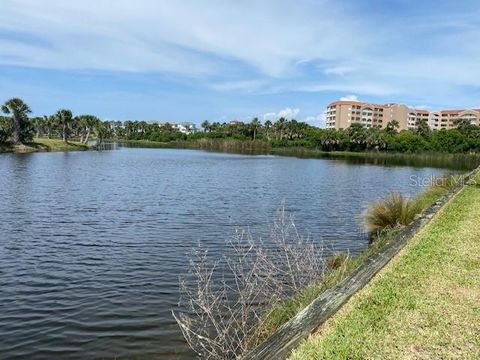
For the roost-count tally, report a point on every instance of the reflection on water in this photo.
(92, 243)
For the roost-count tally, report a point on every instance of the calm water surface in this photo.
(92, 243)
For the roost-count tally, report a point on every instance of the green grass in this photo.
(423, 305)
(340, 266)
(44, 144)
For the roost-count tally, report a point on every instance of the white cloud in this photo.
(272, 116)
(234, 43)
(338, 70)
(175, 36)
(316, 120)
(349, 98)
(287, 113)
(292, 113)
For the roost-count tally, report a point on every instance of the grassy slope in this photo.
(44, 144)
(280, 314)
(424, 305)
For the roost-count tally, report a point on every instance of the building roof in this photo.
(451, 111)
(418, 111)
(346, 102)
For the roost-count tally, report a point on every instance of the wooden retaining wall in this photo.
(287, 337)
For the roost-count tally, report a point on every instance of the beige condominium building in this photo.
(341, 114)
(446, 119)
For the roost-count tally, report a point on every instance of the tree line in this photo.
(18, 128)
(290, 133)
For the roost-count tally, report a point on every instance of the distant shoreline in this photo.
(425, 159)
(43, 145)
(462, 161)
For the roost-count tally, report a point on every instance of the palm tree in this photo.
(38, 124)
(64, 118)
(87, 123)
(103, 131)
(206, 126)
(268, 126)
(280, 126)
(358, 135)
(376, 139)
(328, 139)
(255, 124)
(19, 111)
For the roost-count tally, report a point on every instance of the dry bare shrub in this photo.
(224, 301)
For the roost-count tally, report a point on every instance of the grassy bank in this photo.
(340, 266)
(425, 304)
(44, 144)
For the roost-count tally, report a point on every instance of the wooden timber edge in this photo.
(288, 336)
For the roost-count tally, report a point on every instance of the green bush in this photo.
(449, 141)
(407, 141)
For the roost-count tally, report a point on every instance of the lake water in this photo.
(92, 243)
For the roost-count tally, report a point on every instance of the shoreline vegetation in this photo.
(459, 161)
(18, 128)
(383, 220)
(341, 265)
(423, 304)
(462, 161)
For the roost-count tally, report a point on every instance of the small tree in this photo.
(423, 129)
(392, 127)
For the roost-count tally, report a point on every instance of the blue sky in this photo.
(219, 60)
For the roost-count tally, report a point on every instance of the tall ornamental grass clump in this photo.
(393, 211)
(396, 210)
